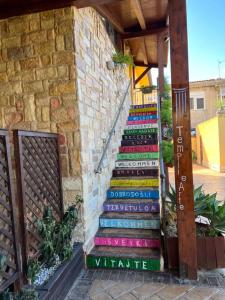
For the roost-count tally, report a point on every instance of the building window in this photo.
(200, 104)
(197, 101)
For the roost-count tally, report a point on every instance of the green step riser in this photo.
(133, 156)
(140, 131)
(139, 264)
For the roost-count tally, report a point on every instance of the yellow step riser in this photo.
(140, 110)
(134, 183)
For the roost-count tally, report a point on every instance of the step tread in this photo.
(142, 178)
(129, 233)
(126, 252)
(134, 188)
(130, 201)
(130, 216)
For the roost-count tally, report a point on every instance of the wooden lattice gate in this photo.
(9, 246)
(38, 183)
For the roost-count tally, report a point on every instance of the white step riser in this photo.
(141, 126)
(137, 164)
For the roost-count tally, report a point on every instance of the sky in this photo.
(206, 39)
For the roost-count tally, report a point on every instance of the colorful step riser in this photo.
(144, 106)
(140, 264)
(142, 110)
(127, 242)
(141, 122)
(140, 131)
(141, 126)
(134, 156)
(137, 164)
(144, 114)
(133, 194)
(139, 143)
(134, 182)
(129, 223)
(140, 137)
(135, 172)
(147, 148)
(131, 207)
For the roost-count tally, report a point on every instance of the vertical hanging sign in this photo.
(182, 139)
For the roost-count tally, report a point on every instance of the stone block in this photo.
(63, 72)
(59, 115)
(15, 53)
(46, 73)
(33, 87)
(44, 48)
(59, 88)
(64, 165)
(11, 42)
(45, 60)
(55, 103)
(60, 44)
(45, 114)
(29, 108)
(2, 67)
(74, 162)
(17, 25)
(35, 24)
(63, 58)
(29, 63)
(27, 76)
(19, 105)
(71, 184)
(51, 34)
(47, 23)
(38, 37)
(13, 118)
(65, 27)
(3, 77)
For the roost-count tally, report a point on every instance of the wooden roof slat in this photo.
(142, 33)
(105, 12)
(136, 5)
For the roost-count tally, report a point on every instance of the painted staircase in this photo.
(129, 228)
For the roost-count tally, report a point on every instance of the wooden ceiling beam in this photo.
(141, 64)
(106, 13)
(86, 3)
(136, 5)
(142, 33)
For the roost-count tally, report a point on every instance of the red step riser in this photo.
(141, 122)
(131, 149)
(127, 242)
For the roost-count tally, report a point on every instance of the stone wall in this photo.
(37, 84)
(53, 78)
(99, 94)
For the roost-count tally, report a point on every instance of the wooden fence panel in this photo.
(9, 246)
(38, 182)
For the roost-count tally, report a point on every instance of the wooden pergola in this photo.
(145, 25)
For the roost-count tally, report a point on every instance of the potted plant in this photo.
(210, 227)
(148, 89)
(120, 59)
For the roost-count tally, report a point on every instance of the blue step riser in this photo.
(133, 194)
(139, 118)
(128, 223)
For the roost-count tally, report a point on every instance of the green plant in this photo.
(167, 151)
(121, 58)
(147, 89)
(166, 112)
(194, 156)
(207, 206)
(56, 237)
(7, 295)
(28, 294)
(33, 268)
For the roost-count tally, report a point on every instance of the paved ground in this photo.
(212, 181)
(128, 285)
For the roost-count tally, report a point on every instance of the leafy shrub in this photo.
(167, 151)
(121, 58)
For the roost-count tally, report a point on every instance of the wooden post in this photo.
(160, 63)
(182, 139)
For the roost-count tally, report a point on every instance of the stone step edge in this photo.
(127, 242)
(140, 264)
